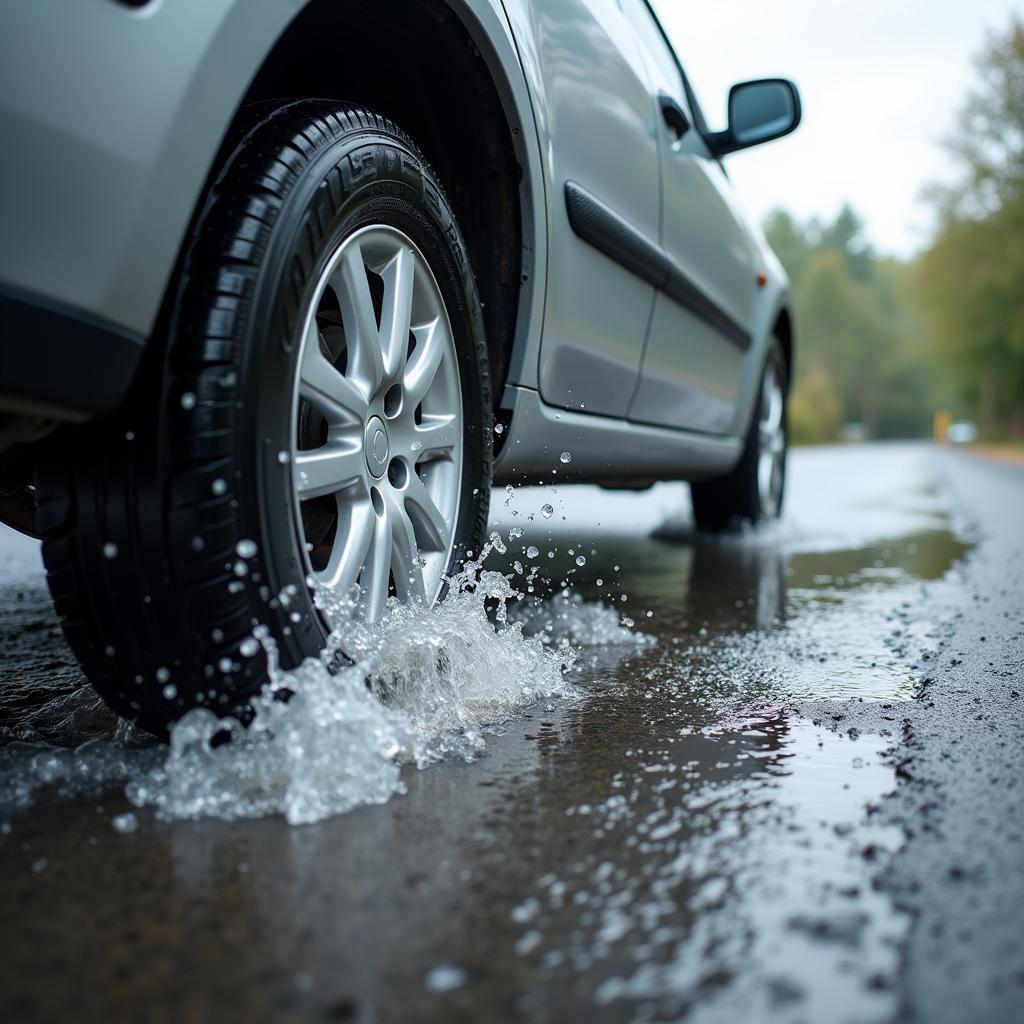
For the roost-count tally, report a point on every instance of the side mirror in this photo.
(759, 111)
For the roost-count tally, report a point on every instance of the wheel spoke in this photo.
(328, 469)
(352, 541)
(426, 358)
(771, 399)
(436, 434)
(428, 522)
(368, 524)
(320, 384)
(365, 360)
(405, 558)
(396, 316)
(764, 479)
(377, 568)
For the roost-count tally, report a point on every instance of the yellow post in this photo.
(940, 425)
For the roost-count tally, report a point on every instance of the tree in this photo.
(861, 354)
(971, 279)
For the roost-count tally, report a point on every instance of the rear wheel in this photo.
(320, 409)
(753, 491)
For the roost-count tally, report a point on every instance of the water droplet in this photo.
(499, 428)
(198, 544)
(124, 823)
(283, 457)
(547, 511)
(241, 569)
(415, 446)
(225, 665)
(532, 552)
(110, 550)
(162, 674)
(130, 435)
(600, 582)
(445, 979)
(246, 548)
(515, 533)
(580, 560)
(565, 457)
(170, 691)
(249, 647)
(218, 486)
(217, 635)
(188, 400)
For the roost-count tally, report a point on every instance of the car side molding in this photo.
(600, 226)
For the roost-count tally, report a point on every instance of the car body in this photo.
(286, 285)
(113, 116)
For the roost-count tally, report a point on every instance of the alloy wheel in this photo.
(771, 437)
(377, 442)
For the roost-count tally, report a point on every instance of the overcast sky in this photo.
(880, 81)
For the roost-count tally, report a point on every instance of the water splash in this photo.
(421, 685)
(567, 618)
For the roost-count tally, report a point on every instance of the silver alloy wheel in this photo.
(377, 442)
(771, 442)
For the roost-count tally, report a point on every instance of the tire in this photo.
(176, 526)
(753, 491)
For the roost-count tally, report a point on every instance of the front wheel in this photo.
(752, 492)
(319, 409)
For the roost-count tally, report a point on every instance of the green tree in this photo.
(971, 279)
(790, 241)
(861, 347)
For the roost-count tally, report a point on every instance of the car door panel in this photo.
(695, 352)
(595, 126)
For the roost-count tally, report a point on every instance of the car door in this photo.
(592, 106)
(701, 322)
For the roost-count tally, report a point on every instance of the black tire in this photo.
(141, 514)
(734, 500)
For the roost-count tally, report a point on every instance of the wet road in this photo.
(796, 797)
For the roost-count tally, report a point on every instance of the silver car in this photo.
(285, 285)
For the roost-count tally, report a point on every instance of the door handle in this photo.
(673, 115)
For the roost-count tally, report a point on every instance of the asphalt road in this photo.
(796, 797)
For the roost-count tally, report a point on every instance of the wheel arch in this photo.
(460, 95)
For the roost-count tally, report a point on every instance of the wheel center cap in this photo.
(376, 447)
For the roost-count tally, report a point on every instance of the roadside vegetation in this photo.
(883, 344)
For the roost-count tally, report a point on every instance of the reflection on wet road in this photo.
(682, 841)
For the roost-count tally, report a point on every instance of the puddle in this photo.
(729, 879)
(659, 829)
(712, 628)
(425, 685)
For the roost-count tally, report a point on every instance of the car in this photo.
(286, 285)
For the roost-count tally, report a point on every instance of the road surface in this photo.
(790, 791)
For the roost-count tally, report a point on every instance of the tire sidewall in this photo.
(358, 179)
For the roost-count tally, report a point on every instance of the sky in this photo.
(880, 82)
